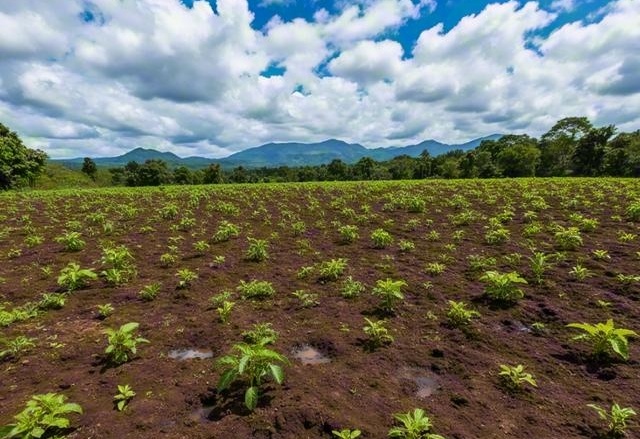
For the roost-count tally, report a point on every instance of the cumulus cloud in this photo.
(101, 77)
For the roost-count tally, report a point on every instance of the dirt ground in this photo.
(451, 373)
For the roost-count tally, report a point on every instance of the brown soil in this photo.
(452, 374)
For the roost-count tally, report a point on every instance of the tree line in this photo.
(572, 147)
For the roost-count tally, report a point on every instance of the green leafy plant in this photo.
(254, 363)
(122, 398)
(381, 238)
(260, 333)
(377, 333)
(514, 377)
(72, 277)
(307, 299)
(258, 250)
(605, 338)
(43, 416)
(226, 231)
(503, 287)
(256, 289)
(122, 343)
(390, 291)
(540, 263)
(331, 270)
(149, 292)
(105, 310)
(346, 433)
(52, 301)
(348, 234)
(617, 418)
(580, 272)
(185, 278)
(224, 310)
(406, 246)
(435, 268)
(568, 238)
(459, 315)
(413, 425)
(17, 346)
(72, 241)
(633, 211)
(201, 247)
(351, 288)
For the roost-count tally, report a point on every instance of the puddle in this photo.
(426, 383)
(307, 354)
(202, 414)
(190, 354)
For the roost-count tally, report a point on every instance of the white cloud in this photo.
(155, 73)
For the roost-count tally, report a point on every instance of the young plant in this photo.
(122, 343)
(105, 310)
(348, 234)
(617, 418)
(185, 278)
(149, 292)
(377, 333)
(72, 277)
(435, 268)
(406, 246)
(459, 315)
(351, 288)
(256, 289)
(580, 272)
(503, 287)
(331, 270)
(201, 247)
(346, 434)
(226, 231)
(381, 238)
(255, 363)
(17, 347)
(52, 301)
(260, 334)
(44, 416)
(258, 250)
(414, 425)
(390, 291)
(568, 238)
(540, 263)
(308, 300)
(122, 398)
(605, 338)
(514, 377)
(72, 241)
(224, 311)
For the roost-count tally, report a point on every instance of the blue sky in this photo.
(196, 77)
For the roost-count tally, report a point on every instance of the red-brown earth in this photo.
(452, 374)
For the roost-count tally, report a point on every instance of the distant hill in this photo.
(284, 154)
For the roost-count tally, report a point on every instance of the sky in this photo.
(209, 78)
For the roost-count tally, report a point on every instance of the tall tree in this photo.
(212, 174)
(558, 145)
(588, 157)
(18, 164)
(89, 168)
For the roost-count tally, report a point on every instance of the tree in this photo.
(622, 155)
(89, 167)
(18, 164)
(558, 145)
(588, 156)
(182, 175)
(337, 170)
(519, 157)
(212, 174)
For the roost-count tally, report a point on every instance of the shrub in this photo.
(348, 234)
(258, 250)
(381, 238)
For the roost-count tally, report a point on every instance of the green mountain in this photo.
(283, 154)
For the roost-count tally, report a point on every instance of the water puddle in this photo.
(307, 354)
(426, 383)
(189, 354)
(202, 414)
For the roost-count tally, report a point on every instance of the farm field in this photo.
(530, 256)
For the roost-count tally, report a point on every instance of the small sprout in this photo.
(616, 418)
(514, 377)
(122, 398)
(414, 425)
(458, 314)
(105, 310)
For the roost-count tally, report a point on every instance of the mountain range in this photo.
(283, 154)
